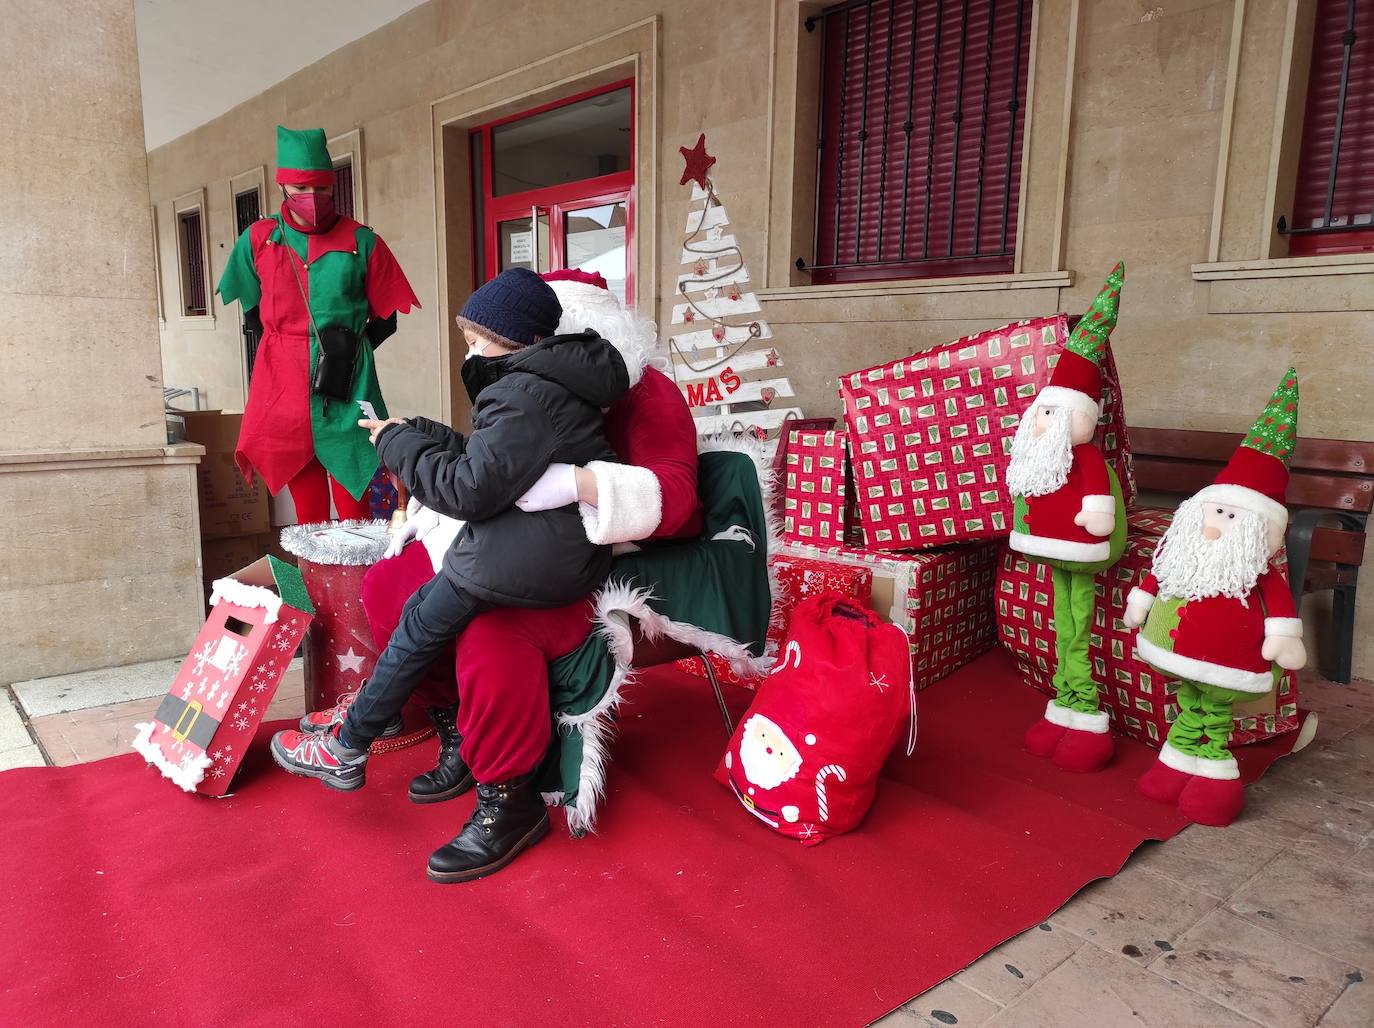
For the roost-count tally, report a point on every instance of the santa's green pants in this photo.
(1074, 599)
(1204, 722)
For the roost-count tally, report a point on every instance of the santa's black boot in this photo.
(450, 777)
(509, 818)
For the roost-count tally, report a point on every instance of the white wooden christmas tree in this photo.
(723, 357)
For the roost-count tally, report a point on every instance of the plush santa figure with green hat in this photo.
(305, 275)
(1068, 513)
(1219, 616)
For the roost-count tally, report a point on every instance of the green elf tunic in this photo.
(348, 276)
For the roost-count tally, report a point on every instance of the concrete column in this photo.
(100, 565)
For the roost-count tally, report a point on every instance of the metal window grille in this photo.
(343, 187)
(193, 264)
(919, 151)
(248, 209)
(1334, 189)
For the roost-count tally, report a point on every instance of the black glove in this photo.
(380, 329)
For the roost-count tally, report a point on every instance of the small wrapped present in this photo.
(814, 488)
(796, 579)
(931, 434)
(1139, 699)
(942, 599)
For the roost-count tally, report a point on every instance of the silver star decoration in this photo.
(349, 661)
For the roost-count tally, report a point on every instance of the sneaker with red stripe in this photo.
(324, 720)
(320, 755)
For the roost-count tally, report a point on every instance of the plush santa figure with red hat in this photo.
(1068, 512)
(1219, 616)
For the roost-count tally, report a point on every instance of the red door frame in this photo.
(557, 201)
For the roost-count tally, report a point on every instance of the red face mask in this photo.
(311, 209)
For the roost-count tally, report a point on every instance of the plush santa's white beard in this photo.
(1040, 464)
(1190, 567)
(635, 336)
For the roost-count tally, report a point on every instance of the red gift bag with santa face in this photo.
(805, 759)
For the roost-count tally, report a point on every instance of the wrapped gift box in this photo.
(204, 724)
(1140, 700)
(942, 599)
(814, 488)
(931, 434)
(796, 578)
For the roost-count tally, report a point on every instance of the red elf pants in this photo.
(310, 492)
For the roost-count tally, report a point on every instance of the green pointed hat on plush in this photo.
(303, 158)
(1077, 378)
(1256, 476)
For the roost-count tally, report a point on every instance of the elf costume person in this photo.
(1219, 616)
(298, 274)
(1069, 513)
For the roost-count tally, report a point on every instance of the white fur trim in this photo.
(1138, 597)
(586, 306)
(1097, 722)
(629, 504)
(1257, 682)
(1059, 396)
(1226, 770)
(1057, 715)
(1099, 503)
(1233, 495)
(185, 775)
(231, 590)
(1059, 549)
(1290, 628)
(1169, 756)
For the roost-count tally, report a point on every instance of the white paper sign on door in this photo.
(521, 252)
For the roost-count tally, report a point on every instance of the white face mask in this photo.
(476, 351)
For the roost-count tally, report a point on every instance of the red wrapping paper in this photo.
(1139, 699)
(815, 495)
(931, 434)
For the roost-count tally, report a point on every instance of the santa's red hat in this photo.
(1076, 382)
(585, 289)
(1256, 476)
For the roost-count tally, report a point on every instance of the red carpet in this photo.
(125, 902)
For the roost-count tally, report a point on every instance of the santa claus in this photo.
(1068, 512)
(1218, 615)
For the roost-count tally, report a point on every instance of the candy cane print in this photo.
(830, 770)
(793, 650)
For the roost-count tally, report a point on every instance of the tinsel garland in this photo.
(356, 543)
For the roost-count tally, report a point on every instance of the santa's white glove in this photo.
(1097, 523)
(1287, 651)
(420, 521)
(1135, 615)
(557, 487)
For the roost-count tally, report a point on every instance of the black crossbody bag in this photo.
(337, 367)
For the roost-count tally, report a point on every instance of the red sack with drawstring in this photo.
(805, 759)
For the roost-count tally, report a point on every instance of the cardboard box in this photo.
(1139, 699)
(942, 599)
(204, 724)
(229, 506)
(931, 434)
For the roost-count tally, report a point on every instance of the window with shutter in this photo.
(1333, 198)
(919, 155)
(343, 187)
(193, 287)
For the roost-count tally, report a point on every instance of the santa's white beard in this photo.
(1190, 567)
(1040, 464)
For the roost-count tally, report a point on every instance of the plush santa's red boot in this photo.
(1043, 736)
(1215, 795)
(1087, 744)
(1168, 775)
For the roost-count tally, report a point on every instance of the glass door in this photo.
(554, 189)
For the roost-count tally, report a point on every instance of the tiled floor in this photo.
(1268, 922)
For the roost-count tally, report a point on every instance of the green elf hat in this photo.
(1256, 476)
(303, 158)
(1077, 378)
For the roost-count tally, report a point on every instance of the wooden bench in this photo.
(1330, 496)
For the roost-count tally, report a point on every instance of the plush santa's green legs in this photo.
(1195, 769)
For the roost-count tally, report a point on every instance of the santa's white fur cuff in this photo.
(1099, 504)
(1290, 628)
(1256, 682)
(1059, 549)
(1059, 396)
(629, 504)
(1138, 597)
(1225, 770)
(1076, 720)
(1177, 759)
